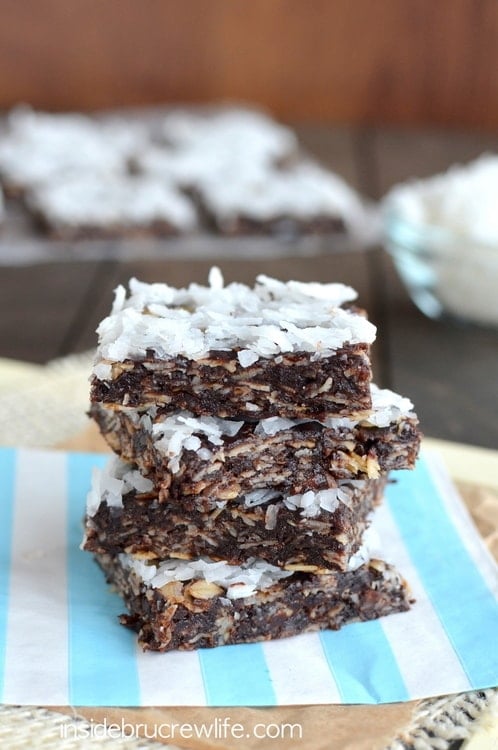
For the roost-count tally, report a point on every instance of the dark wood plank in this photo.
(38, 308)
(449, 370)
(333, 146)
(347, 60)
(401, 154)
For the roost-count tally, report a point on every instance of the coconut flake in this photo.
(102, 371)
(247, 358)
(137, 482)
(179, 432)
(273, 425)
(259, 497)
(388, 407)
(215, 278)
(239, 581)
(205, 454)
(312, 503)
(111, 483)
(371, 547)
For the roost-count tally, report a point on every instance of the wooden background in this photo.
(361, 61)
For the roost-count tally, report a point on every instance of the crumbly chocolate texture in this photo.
(270, 531)
(280, 225)
(193, 614)
(283, 225)
(306, 457)
(290, 385)
(78, 232)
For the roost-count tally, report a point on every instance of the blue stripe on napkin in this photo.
(363, 664)
(7, 484)
(102, 663)
(468, 610)
(236, 676)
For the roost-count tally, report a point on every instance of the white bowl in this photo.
(445, 274)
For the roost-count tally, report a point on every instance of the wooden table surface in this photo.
(450, 371)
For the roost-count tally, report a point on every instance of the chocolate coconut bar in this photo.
(41, 148)
(310, 532)
(301, 199)
(198, 462)
(279, 349)
(97, 206)
(201, 604)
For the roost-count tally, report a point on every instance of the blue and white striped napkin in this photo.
(60, 641)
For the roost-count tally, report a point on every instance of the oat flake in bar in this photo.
(309, 532)
(291, 350)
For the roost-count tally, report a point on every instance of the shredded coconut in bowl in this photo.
(462, 200)
(446, 230)
(270, 319)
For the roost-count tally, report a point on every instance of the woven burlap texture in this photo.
(28, 728)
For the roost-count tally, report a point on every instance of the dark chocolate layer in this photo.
(291, 385)
(270, 531)
(183, 616)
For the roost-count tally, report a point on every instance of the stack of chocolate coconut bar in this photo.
(252, 450)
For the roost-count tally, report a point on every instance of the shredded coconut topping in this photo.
(112, 482)
(387, 407)
(41, 147)
(305, 191)
(272, 318)
(112, 201)
(239, 581)
(207, 166)
(249, 135)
